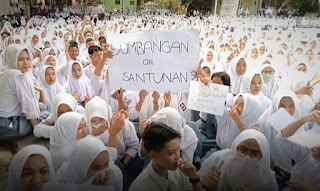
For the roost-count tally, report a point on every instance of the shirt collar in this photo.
(160, 181)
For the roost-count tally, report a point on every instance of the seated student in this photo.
(62, 103)
(30, 168)
(166, 171)
(99, 115)
(246, 166)
(252, 83)
(237, 69)
(305, 174)
(78, 84)
(171, 117)
(287, 100)
(243, 114)
(48, 80)
(270, 79)
(52, 61)
(90, 163)
(96, 55)
(69, 128)
(19, 110)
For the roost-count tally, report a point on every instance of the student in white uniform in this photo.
(178, 101)
(90, 163)
(18, 105)
(69, 128)
(237, 69)
(243, 114)
(30, 168)
(78, 84)
(246, 166)
(305, 174)
(270, 79)
(62, 103)
(171, 117)
(252, 83)
(166, 171)
(48, 80)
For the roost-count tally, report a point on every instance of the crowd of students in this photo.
(54, 83)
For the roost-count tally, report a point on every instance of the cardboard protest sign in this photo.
(154, 60)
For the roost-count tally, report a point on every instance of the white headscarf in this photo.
(97, 107)
(269, 89)
(228, 130)
(63, 137)
(171, 117)
(245, 88)
(82, 85)
(252, 177)
(50, 90)
(277, 148)
(146, 110)
(19, 160)
(62, 98)
(234, 77)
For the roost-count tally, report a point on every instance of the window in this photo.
(117, 2)
(131, 2)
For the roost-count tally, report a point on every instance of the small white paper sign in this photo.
(306, 139)
(75, 187)
(280, 119)
(209, 98)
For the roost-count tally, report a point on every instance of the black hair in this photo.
(156, 135)
(93, 49)
(5, 32)
(89, 40)
(102, 39)
(224, 77)
(73, 43)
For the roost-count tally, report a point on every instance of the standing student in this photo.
(18, 105)
(30, 168)
(166, 171)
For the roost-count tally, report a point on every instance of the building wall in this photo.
(253, 5)
(5, 6)
(125, 4)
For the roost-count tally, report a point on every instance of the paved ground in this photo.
(9, 149)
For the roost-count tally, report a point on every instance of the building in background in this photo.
(113, 5)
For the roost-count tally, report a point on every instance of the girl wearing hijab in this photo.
(252, 83)
(280, 156)
(90, 163)
(19, 108)
(69, 128)
(99, 114)
(270, 79)
(179, 102)
(78, 84)
(246, 166)
(243, 114)
(253, 59)
(30, 168)
(62, 103)
(226, 58)
(237, 69)
(48, 80)
(52, 61)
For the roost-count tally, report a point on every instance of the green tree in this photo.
(202, 5)
(28, 9)
(304, 6)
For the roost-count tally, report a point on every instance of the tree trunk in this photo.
(28, 9)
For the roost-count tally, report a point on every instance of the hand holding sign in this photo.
(107, 54)
(155, 96)
(143, 94)
(167, 98)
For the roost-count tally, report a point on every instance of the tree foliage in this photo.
(304, 6)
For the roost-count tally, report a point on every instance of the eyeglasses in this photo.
(254, 155)
(268, 72)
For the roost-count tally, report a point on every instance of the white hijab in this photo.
(278, 151)
(234, 77)
(62, 98)
(97, 107)
(82, 85)
(171, 117)
(269, 89)
(63, 137)
(19, 160)
(251, 177)
(50, 90)
(146, 110)
(228, 130)
(245, 88)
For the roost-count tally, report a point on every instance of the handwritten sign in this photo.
(280, 119)
(209, 98)
(154, 60)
